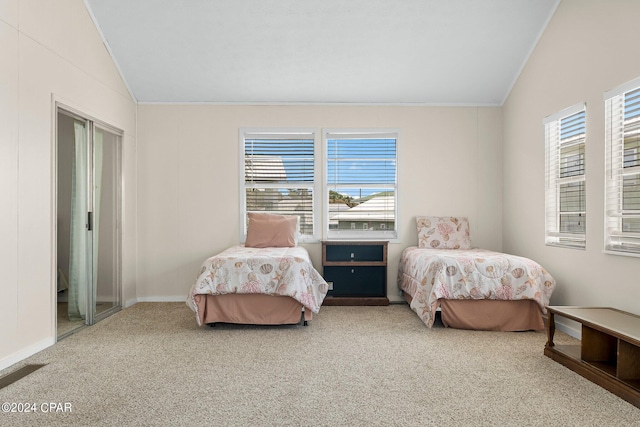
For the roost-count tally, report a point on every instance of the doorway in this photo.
(88, 232)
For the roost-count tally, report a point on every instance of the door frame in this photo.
(65, 108)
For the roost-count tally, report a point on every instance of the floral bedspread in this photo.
(430, 274)
(271, 271)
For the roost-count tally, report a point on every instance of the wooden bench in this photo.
(609, 351)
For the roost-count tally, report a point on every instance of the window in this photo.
(565, 201)
(622, 187)
(360, 185)
(278, 176)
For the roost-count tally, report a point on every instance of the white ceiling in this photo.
(433, 52)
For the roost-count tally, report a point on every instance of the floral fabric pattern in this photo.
(285, 271)
(440, 232)
(430, 274)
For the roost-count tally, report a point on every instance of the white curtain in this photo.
(78, 262)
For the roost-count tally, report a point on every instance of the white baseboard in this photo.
(571, 331)
(26, 352)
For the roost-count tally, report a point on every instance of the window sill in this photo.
(557, 245)
(621, 253)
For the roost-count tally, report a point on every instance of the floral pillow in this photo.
(440, 232)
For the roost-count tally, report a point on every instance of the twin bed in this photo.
(264, 286)
(473, 288)
(267, 281)
(270, 280)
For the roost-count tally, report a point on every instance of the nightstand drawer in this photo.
(355, 253)
(356, 281)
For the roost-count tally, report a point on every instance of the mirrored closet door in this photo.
(88, 220)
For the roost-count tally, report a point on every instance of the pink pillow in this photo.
(271, 231)
(443, 232)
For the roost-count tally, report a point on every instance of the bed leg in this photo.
(211, 325)
(305, 323)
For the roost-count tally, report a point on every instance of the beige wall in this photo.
(589, 47)
(188, 191)
(48, 50)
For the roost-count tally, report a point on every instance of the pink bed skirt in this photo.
(490, 315)
(252, 309)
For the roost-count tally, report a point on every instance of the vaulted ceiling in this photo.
(433, 52)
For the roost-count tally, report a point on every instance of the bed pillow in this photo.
(271, 231)
(276, 217)
(440, 232)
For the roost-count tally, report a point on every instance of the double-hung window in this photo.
(622, 186)
(278, 176)
(360, 184)
(565, 190)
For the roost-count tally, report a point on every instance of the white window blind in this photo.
(279, 176)
(361, 184)
(622, 187)
(565, 189)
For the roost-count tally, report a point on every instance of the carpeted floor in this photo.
(150, 365)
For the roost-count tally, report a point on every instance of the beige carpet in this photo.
(150, 365)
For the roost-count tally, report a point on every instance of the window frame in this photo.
(554, 164)
(617, 241)
(311, 133)
(357, 233)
